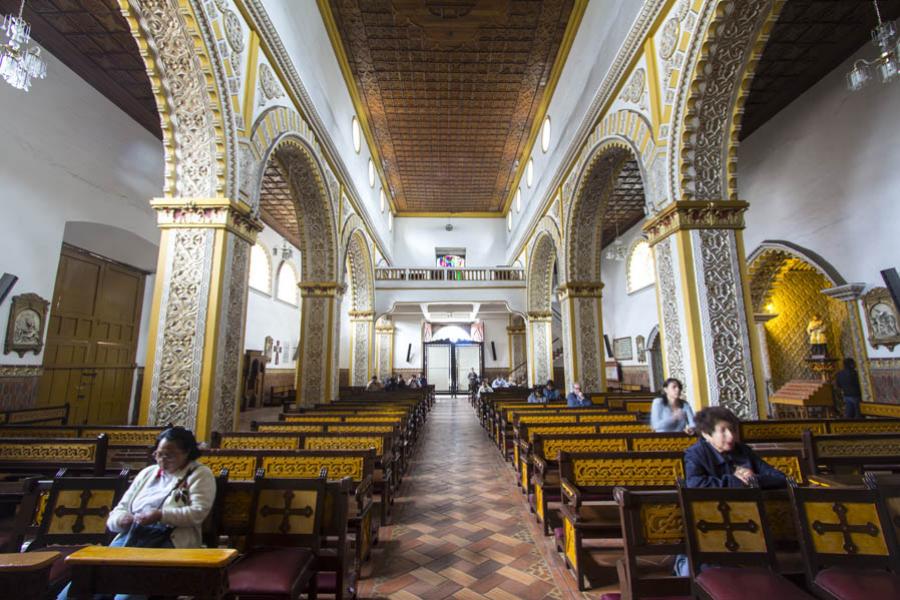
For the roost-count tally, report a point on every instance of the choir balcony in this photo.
(471, 284)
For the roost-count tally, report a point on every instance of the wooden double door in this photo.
(92, 333)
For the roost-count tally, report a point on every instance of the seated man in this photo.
(414, 382)
(577, 399)
(374, 385)
(550, 391)
(719, 460)
(499, 382)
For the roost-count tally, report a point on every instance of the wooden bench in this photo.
(358, 465)
(791, 430)
(851, 453)
(25, 576)
(129, 446)
(385, 479)
(45, 456)
(587, 483)
(57, 414)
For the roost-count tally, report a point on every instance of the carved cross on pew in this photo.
(727, 526)
(845, 529)
(286, 511)
(82, 511)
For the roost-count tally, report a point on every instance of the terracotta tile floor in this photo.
(461, 528)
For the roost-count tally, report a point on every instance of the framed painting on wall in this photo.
(25, 330)
(622, 348)
(881, 318)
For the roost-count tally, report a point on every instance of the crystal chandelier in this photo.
(884, 37)
(19, 62)
(617, 250)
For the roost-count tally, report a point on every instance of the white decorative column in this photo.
(540, 347)
(384, 348)
(362, 332)
(704, 299)
(317, 360)
(582, 334)
(851, 293)
(518, 352)
(198, 314)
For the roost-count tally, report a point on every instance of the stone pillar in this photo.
(518, 353)
(540, 347)
(198, 314)
(384, 349)
(851, 293)
(582, 335)
(317, 360)
(761, 319)
(362, 338)
(704, 301)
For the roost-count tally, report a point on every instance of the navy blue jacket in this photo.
(706, 467)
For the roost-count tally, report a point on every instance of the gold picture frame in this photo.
(27, 321)
(882, 319)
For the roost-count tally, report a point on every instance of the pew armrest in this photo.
(210, 558)
(540, 467)
(570, 493)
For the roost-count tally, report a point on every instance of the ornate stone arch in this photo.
(362, 274)
(545, 252)
(189, 82)
(720, 61)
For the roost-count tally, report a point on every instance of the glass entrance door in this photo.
(447, 365)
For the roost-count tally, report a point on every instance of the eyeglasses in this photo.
(166, 456)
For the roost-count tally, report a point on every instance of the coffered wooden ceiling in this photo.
(809, 40)
(451, 90)
(92, 38)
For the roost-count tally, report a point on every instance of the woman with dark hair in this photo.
(165, 505)
(669, 412)
(537, 395)
(718, 459)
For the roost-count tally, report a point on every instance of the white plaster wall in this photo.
(823, 174)
(416, 238)
(70, 155)
(495, 331)
(303, 34)
(268, 316)
(601, 34)
(624, 314)
(408, 330)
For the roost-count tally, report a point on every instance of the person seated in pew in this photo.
(669, 412)
(414, 382)
(391, 384)
(499, 382)
(485, 388)
(577, 399)
(401, 383)
(374, 385)
(166, 504)
(719, 460)
(537, 395)
(550, 391)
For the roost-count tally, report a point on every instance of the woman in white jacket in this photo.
(167, 502)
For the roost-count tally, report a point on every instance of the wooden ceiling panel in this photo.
(809, 40)
(451, 89)
(92, 38)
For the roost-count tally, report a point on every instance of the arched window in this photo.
(260, 269)
(287, 284)
(640, 270)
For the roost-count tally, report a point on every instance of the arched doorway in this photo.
(542, 264)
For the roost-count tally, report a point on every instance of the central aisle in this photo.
(461, 527)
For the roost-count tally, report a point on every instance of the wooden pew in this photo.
(851, 453)
(790, 430)
(358, 465)
(385, 480)
(57, 414)
(129, 446)
(45, 456)
(587, 482)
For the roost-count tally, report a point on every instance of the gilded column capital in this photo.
(329, 289)
(384, 329)
(362, 315)
(693, 214)
(235, 216)
(515, 330)
(580, 289)
(539, 315)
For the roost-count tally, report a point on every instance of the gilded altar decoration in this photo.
(882, 318)
(25, 329)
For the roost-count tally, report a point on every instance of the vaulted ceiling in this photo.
(451, 90)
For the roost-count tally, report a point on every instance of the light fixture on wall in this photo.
(449, 225)
(286, 251)
(887, 65)
(19, 62)
(616, 251)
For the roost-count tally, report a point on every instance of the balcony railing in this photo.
(470, 274)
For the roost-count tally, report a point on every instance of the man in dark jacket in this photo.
(847, 380)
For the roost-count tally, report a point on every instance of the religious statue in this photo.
(817, 341)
